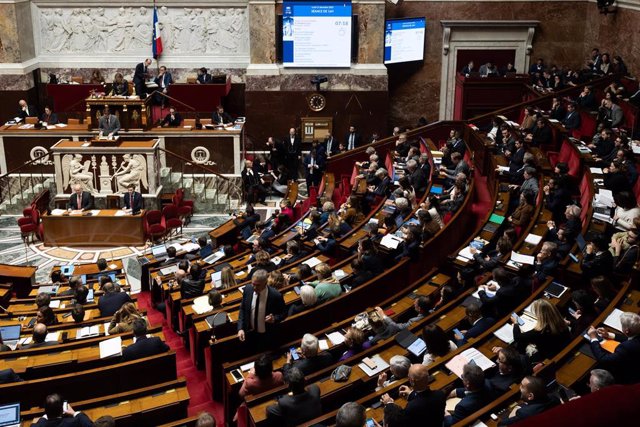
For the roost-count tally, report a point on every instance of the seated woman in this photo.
(410, 245)
(583, 314)
(280, 180)
(627, 210)
(311, 232)
(438, 344)
(46, 316)
(356, 342)
(277, 280)
(368, 254)
(326, 287)
(122, 320)
(521, 216)
(625, 251)
(227, 279)
(308, 299)
(428, 226)
(120, 86)
(550, 335)
(351, 212)
(338, 225)
(328, 208)
(263, 262)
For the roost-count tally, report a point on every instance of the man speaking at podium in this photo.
(132, 200)
(109, 124)
(79, 199)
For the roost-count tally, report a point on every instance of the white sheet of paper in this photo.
(533, 239)
(111, 347)
(335, 338)
(312, 262)
(613, 320)
(522, 259)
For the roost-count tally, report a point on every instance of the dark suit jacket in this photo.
(33, 112)
(190, 288)
(139, 76)
(110, 303)
(8, 376)
(226, 118)
(136, 206)
(505, 299)
(311, 365)
(542, 135)
(144, 347)
(289, 150)
(249, 180)
(85, 202)
(479, 327)
(39, 344)
(296, 409)
(177, 119)
(168, 80)
(596, 265)
(530, 409)
(205, 78)
(331, 149)
(275, 306)
(572, 120)
(51, 119)
(356, 142)
(623, 362)
(81, 420)
(425, 409)
(418, 180)
(315, 171)
(470, 403)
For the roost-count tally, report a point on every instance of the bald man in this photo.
(425, 407)
(25, 110)
(79, 199)
(39, 337)
(140, 77)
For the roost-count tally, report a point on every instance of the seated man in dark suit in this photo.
(144, 346)
(535, 401)
(425, 407)
(203, 76)
(112, 300)
(132, 200)
(172, 256)
(511, 369)
(623, 362)
(193, 285)
(297, 407)
(475, 394)
(478, 323)
(39, 337)
(49, 117)
(9, 376)
(55, 415)
(253, 184)
(79, 199)
(173, 119)
(25, 110)
(163, 80)
(572, 120)
(219, 117)
(311, 360)
(597, 261)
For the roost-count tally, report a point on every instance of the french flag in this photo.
(156, 43)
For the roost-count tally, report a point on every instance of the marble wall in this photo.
(414, 90)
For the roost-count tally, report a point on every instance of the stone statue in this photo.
(75, 171)
(132, 170)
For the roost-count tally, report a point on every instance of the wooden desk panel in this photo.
(104, 229)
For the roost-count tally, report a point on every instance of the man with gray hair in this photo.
(351, 414)
(600, 379)
(416, 177)
(262, 307)
(311, 360)
(623, 362)
(399, 368)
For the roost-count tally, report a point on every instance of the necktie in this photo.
(256, 313)
(79, 202)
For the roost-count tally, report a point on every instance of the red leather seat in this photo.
(185, 207)
(30, 228)
(27, 213)
(153, 226)
(170, 219)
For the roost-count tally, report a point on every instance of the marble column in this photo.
(370, 16)
(16, 45)
(262, 31)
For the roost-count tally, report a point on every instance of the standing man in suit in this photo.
(262, 307)
(330, 145)
(297, 407)
(425, 407)
(164, 80)
(79, 199)
(49, 117)
(293, 152)
(623, 362)
(313, 166)
(144, 346)
(352, 139)
(57, 416)
(140, 76)
(219, 117)
(25, 110)
(132, 200)
(276, 150)
(109, 124)
(173, 119)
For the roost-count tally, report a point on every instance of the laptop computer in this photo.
(214, 257)
(10, 335)
(159, 252)
(206, 251)
(10, 415)
(51, 290)
(581, 242)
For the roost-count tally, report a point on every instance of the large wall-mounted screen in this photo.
(316, 34)
(404, 40)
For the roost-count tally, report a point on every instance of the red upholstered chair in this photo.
(30, 226)
(27, 213)
(185, 207)
(184, 212)
(153, 226)
(170, 219)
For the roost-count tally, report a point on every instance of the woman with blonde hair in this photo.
(122, 320)
(263, 262)
(327, 287)
(550, 335)
(277, 280)
(356, 341)
(227, 279)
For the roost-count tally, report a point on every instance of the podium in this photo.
(133, 113)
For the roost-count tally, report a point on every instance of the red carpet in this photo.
(199, 400)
